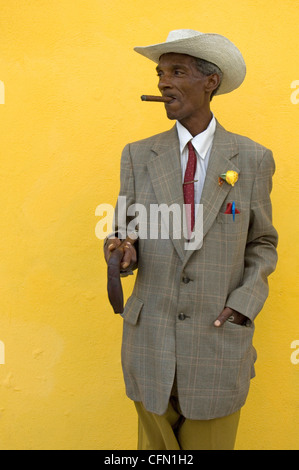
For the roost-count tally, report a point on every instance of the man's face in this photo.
(180, 79)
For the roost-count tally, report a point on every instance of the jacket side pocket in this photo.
(132, 310)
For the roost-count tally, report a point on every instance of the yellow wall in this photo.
(71, 85)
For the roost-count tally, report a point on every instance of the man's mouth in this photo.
(172, 99)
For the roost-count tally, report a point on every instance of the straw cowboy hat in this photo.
(211, 47)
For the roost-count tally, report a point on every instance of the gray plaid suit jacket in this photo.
(213, 366)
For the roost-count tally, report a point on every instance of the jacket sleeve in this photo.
(125, 199)
(260, 253)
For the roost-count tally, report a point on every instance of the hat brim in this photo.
(211, 47)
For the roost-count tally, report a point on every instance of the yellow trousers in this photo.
(172, 431)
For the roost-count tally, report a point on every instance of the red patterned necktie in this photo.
(188, 188)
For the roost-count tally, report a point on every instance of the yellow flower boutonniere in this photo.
(231, 177)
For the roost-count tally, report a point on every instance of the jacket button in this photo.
(186, 280)
(182, 316)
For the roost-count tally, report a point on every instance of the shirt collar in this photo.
(200, 142)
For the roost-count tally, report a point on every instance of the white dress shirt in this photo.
(202, 144)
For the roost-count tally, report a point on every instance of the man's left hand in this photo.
(232, 315)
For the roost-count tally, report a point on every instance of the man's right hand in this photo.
(129, 258)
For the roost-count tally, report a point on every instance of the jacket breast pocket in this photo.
(132, 310)
(228, 218)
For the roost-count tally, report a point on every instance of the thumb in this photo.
(223, 317)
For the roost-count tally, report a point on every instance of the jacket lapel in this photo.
(213, 195)
(166, 177)
(223, 150)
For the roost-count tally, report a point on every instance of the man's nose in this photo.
(165, 82)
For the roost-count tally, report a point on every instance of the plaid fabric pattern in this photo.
(168, 319)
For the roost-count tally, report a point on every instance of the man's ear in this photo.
(212, 82)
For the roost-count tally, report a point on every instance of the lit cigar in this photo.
(159, 99)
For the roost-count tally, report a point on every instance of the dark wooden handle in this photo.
(114, 287)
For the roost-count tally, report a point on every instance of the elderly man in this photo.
(187, 350)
